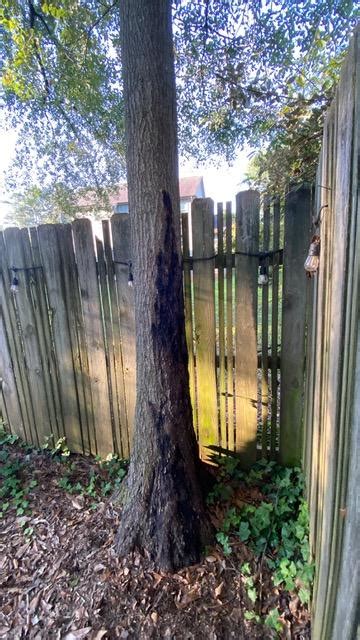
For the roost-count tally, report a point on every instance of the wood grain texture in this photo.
(246, 362)
(188, 306)
(343, 602)
(115, 351)
(265, 335)
(46, 337)
(332, 420)
(11, 336)
(297, 234)
(120, 229)
(41, 324)
(94, 333)
(63, 326)
(35, 368)
(275, 328)
(340, 173)
(202, 213)
(11, 405)
(221, 325)
(229, 333)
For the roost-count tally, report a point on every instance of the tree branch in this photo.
(103, 15)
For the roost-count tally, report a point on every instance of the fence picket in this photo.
(92, 318)
(221, 324)
(246, 368)
(202, 215)
(41, 325)
(26, 427)
(297, 234)
(189, 329)
(34, 366)
(44, 331)
(121, 430)
(265, 335)
(230, 404)
(120, 228)
(11, 408)
(61, 324)
(275, 328)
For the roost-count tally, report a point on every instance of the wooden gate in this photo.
(68, 335)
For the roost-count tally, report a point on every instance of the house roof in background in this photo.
(190, 186)
(188, 189)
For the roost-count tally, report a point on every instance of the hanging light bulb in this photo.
(14, 288)
(312, 261)
(263, 276)
(130, 276)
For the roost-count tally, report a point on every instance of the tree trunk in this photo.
(163, 504)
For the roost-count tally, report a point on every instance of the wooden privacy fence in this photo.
(68, 336)
(332, 417)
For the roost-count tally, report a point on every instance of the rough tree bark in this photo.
(163, 508)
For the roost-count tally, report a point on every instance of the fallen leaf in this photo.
(99, 634)
(78, 634)
(211, 559)
(219, 589)
(99, 567)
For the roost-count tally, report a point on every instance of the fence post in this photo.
(297, 237)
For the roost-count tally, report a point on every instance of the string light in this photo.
(130, 276)
(313, 259)
(14, 287)
(130, 273)
(263, 276)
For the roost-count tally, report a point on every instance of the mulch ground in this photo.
(64, 581)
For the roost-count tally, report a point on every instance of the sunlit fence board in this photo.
(202, 215)
(246, 358)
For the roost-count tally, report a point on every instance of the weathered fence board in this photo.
(202, 215)
(343, 601)
(92, 318)
(265, 335)
(41, 325)
(332, 421)
(120, 228)
(246, 361)
(46, 339)
(275, 326)
(11, 407)
(297, 234)
(189, 328)
(34, 367)
(11, 336)
(230, 399)
(62, 323)
(115, 352)
(221, 323)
